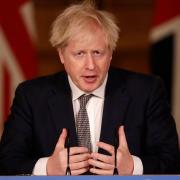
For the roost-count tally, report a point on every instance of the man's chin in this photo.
(89, 89)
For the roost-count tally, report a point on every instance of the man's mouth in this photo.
(90, 79)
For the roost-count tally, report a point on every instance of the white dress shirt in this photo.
(95, 111)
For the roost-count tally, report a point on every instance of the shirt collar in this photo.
(76, 92)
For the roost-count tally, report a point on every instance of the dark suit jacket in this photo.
(42, 107)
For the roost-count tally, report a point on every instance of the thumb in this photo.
(122, 138)
(62, 139)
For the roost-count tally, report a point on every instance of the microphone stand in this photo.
(115, 151)
(68, 170)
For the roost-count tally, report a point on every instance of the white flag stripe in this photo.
(10, 60)
(27, 13)
(176, 81)
(165, 29)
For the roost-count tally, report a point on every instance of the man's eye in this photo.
(97, 52)
(81, 53)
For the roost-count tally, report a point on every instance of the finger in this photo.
(103, 158)
(122, 138)
(62, 138)
(79, 157)
(101, 171)
(100, 164)
(79, 171)
(78, 150)
(79, 165)
(109, 148)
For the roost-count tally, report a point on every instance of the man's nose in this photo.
(90, 62)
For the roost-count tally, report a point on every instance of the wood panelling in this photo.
(134, 18)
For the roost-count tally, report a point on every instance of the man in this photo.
(124, 109)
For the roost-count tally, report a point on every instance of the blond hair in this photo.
(76, 18)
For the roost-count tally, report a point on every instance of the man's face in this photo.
(87, 59)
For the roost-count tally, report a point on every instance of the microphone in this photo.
(68, 170)
(116, 142)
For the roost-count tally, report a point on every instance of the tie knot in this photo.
(83, 100)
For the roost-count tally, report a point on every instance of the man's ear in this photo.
(110, 56)
(61, 57)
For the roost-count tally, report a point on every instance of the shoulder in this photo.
(42, 84)
(130, 77)
(134, 81)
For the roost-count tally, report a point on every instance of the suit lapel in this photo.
(61, 109)
(115, 108)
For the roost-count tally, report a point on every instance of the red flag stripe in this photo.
(165, 10)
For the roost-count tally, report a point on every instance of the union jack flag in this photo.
(17, 55)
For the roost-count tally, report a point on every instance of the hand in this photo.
(125, 163)
(78, 160)
(104, 164)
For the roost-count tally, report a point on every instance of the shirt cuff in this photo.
(40, 167)
(138, 166)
